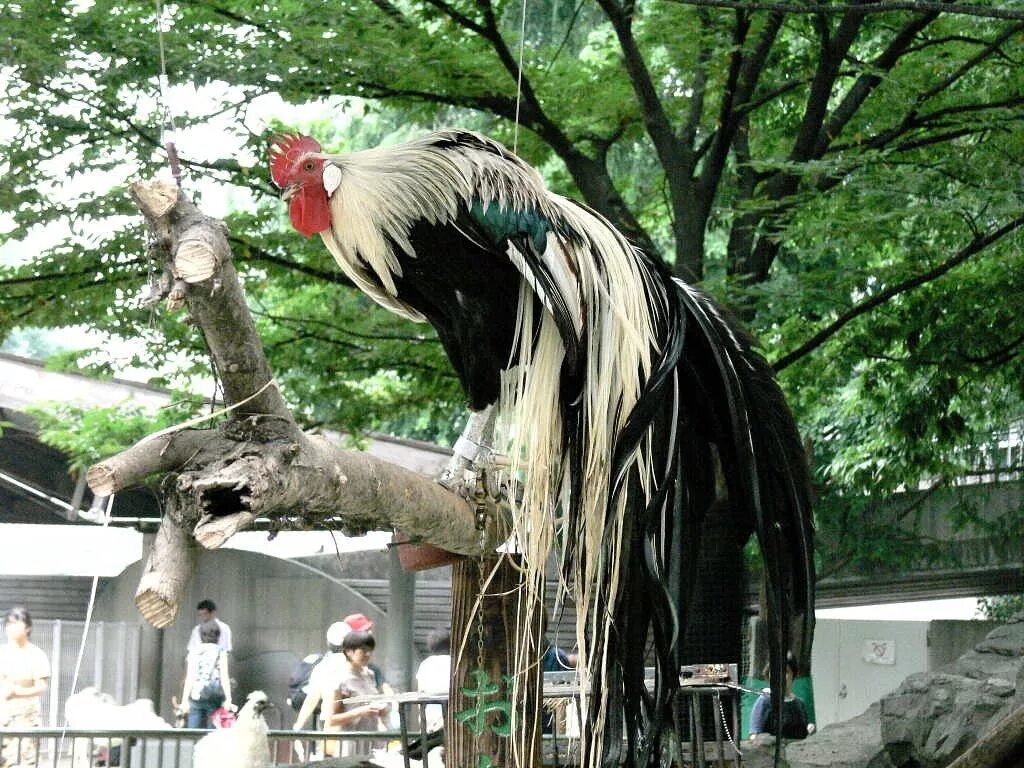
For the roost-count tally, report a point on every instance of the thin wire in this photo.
(85, 629)
(519, 78)
(162, 83)
(167, 120)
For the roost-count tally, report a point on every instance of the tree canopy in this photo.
(847, 177)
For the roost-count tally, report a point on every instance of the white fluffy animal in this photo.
(244, 745)
(90, 709)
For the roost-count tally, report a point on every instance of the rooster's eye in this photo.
(309, 165)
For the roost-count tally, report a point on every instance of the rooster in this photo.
(244, 745)
(623, 393)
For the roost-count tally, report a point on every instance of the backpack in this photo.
(300, 679)
(207, 681)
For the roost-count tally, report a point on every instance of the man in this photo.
(207, 611)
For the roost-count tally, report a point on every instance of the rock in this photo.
(934, 717)
(1007, 640)
(854, 743)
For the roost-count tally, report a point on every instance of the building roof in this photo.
(35, 484)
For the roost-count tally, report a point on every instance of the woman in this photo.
(207, 682)
(24, 675)
(358, 680)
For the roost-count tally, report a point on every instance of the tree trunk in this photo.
(491, 637)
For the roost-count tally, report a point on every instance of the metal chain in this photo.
(480, 616)
(725, 724)
(480, 499)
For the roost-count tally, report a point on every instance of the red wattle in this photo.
(310, 211)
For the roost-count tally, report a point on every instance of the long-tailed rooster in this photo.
(624, 389)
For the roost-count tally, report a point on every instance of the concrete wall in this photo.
(846, 682)
(949, 640)
(278, 612)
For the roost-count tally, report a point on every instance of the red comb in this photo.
(286, 149)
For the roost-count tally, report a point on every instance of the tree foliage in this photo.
(848, 181)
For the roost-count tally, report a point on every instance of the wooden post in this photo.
(501, 634)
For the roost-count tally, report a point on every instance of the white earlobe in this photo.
(332, 178)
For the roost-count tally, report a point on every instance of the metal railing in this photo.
(160, 748)
(172, 748)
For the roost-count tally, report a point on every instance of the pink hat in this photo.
(358, 622)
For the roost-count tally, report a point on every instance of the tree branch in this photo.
(257, 463)
(258, 254)
(867, 82)
(671, 153)
(976, 245)
(887, 6)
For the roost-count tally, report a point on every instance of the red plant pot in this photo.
(421, 556)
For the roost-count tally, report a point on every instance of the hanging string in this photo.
(85, 631)
(519, 78)
(167, 121)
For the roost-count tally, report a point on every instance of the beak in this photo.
(289, 192)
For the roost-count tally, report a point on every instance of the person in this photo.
(24, 676)
(299, 682)
(358, 680)
(206, 611)
(207, 684)
(794, 713)
(555, 659)
(434, 674)
(324, 680)
(359, 623)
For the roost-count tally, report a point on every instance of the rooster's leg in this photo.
(472, 452)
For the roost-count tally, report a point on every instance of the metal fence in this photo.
(110, 660)
(163, 748)
(702, 746)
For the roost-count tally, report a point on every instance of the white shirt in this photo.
(325, 678)
(224, 641)
(434, 676)
(22, 665)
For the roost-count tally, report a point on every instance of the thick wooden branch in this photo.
(145, 458)
(195, 245)
(165, 577)
(1002, 747)
(257, 463)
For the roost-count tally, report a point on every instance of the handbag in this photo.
(212, 693)
(222, 718)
